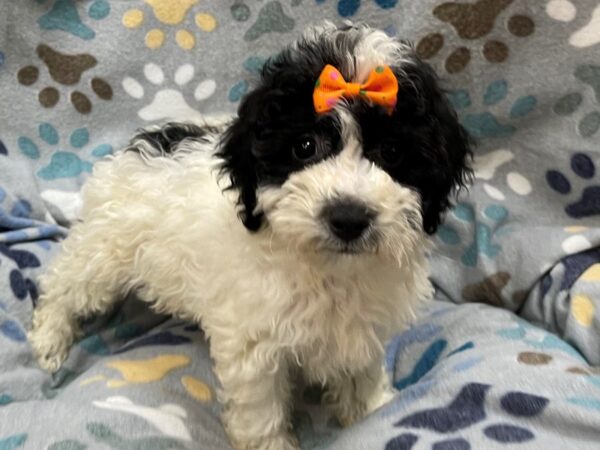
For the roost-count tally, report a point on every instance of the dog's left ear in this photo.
(237, 150)
(447, 145)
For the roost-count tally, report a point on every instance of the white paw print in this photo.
(168, 418)
(575, 244)
(168, 104)
(566, 11)
(485, 167)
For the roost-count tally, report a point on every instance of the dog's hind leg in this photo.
(84, 279)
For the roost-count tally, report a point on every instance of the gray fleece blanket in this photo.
(503, 358)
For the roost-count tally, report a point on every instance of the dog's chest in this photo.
(338, 323)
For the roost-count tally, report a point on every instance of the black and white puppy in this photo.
(296, 238)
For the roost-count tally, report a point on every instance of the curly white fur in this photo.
(273, 302)
(267, 302)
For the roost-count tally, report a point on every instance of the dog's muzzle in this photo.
(348, 220)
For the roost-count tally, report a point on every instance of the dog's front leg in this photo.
(255, 394)
(353, 397)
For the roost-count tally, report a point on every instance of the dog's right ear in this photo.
(237, 150)
(239, 164)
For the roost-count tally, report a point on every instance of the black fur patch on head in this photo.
(422, 144)
(278, 115)
(258, 149)
(167, 138)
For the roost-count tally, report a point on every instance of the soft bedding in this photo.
(506, 356)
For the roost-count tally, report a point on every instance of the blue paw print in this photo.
(161, 338)
(347, 8)
(401, 342)
(96, 345)
(14, 217)
(63, 15)
(571, 102)
(20, 285)
(482, 243)
(22, 258)
(466, 410)
(13, 331)
(253, 65)
(485, 124)
(62, 164)
(16, 225)
(430, 358)
(121, 329)
(589, 202)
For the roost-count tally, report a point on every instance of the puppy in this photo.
(296, 234)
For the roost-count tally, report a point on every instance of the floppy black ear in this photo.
(239, 165)
(236, 149)
(449, 146)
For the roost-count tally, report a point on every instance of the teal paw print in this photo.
(566, 106)
(347, 8)
(118, 328)
(12, 442)
(103, 434)
(482, 240)
(252, 65)
(485, 125)
(69, 444)
(62, 164)
(536, 338)
(63, 15)
(57, 382)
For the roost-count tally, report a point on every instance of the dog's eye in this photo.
(390, 155)
(305, 148)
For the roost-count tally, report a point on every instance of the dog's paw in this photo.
(350, 404)
(350, 415)
(50, 350)
(381, 396)
(50, 341)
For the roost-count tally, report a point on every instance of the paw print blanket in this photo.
(508, 354)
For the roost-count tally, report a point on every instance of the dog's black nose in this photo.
(348, 219)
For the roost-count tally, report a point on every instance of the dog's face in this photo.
(355, 179)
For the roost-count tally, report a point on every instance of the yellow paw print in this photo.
(197, 388)
(170, 12)
(140, 371)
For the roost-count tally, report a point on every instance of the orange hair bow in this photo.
(381, 87)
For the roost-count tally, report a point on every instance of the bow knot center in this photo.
(353, 89)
